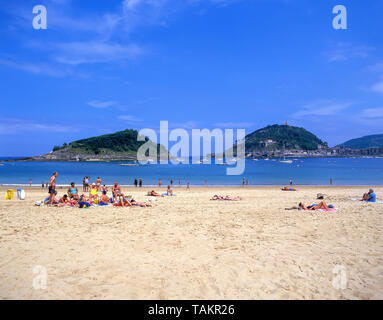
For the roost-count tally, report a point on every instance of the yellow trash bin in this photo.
(9, 195)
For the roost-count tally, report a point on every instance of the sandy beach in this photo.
(188, 247)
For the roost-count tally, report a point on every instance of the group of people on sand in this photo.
(370, 196)
(74, 199)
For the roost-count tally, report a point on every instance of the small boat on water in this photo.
(129, 164)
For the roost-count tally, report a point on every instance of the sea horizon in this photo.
(302, 171)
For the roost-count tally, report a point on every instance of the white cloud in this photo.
(102, 104)
(321, 108)
(74, 53)
(129, 118)
(344, 51)
(36, 68)
(377, 87)
(372, 113)
(17, 125)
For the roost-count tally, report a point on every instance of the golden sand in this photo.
(187, 247)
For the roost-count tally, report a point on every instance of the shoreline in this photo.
(164, 185)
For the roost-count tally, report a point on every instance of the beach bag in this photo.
(21, 194)
(9, 195)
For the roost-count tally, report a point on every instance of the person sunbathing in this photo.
(139, 204)
(227, 198)
(64, 199)
(154, 194)
(116, 190)
(73, 192)
(93, 195)
(288, 189)
(169, 191)
(322, 205)
(104, 199)
(83, 203)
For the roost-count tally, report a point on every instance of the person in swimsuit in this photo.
(73, 192)
(116, 190)
(322, 205)
(169, 191)
(93, 193)
(140, 183)
(288, 189)
(98, 183)
(104, 188)
(52, 187)
(104, 200)
(86, 184)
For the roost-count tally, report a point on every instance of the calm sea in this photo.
(343, 171)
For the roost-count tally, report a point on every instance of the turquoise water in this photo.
(343, 171)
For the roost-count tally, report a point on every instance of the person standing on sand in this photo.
(86, 183)
(98, 183)
(52, 187)
(205, 182)
(159, 183)
(247, 182)
(188, 186)
(140, 183)
(330, 181)
(171, 182)
(42, 185)
(291, 182)
(135, 183)
(83, 185)
(30, 182)
(243, 182)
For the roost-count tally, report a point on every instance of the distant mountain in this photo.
(373, 141)
(122, 145)
(279, 137)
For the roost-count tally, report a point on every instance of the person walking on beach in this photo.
(30, 182)
(291, 182)
(243, 182)
(42, 185)
(135, 183)
(52, 187)
(140, 183)
(171, 182)
(159, 183)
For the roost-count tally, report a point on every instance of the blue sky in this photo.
(104, 66)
